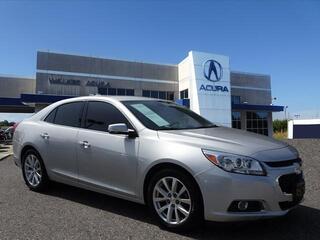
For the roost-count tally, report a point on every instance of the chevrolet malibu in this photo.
(155, 152)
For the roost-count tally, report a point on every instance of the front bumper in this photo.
(220, 189)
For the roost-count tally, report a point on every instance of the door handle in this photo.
(84, 144)
(44, 136)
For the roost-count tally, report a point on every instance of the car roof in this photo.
(116, 98)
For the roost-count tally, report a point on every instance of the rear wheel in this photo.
(34, 172)
(174, 199)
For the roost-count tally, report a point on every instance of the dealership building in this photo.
(202, 82)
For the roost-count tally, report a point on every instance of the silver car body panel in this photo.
(118, 165)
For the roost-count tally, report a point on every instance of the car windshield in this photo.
(162, 115)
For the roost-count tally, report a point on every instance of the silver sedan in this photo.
(155, 152)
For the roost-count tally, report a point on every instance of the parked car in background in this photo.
(3, 136)
(9, 133)
(15, 126)
(151, 151)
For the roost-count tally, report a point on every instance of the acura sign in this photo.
(213, 71)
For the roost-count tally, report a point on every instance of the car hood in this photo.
(232, 141)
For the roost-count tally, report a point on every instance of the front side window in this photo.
(160, 115)
(100, 115)
(68, 114)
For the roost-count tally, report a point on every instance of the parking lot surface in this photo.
(66, 212)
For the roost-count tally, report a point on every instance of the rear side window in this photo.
(68, 114)
(51, 116)
(100, 115)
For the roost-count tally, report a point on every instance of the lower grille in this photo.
(288, 183)
(293, 184)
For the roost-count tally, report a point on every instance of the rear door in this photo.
(105, 160)
(60, 136)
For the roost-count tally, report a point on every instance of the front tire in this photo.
(175, 200)
(34, 172)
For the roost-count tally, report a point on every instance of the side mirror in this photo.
(121, 128)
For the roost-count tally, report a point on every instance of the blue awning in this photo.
(11, 102)
(14, 105)
(184, 102)
(42, 98)
(253, 107)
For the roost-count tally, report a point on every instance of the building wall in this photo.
(12, 87)
(65, 74)
(252, 88)
(45, 86)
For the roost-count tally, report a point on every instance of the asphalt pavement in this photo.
(66, 212)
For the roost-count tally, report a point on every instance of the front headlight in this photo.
(235, 163)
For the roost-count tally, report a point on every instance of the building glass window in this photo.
(170, 96)
(236, 120)
(130, 92)
(184, 94)
(116, 91)
(145, 93)
(155, 94)
(121, 92)
(103, 91)
(257, 122)
(162, 95)
(112, 91)
(158, 94)
(235, 99)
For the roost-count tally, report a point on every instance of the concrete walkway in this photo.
(5, 151)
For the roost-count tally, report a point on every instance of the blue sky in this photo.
(280, 38)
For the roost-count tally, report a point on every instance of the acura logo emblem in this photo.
(212, 70)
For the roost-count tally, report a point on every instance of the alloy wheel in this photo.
(32, 170)
(171, 200)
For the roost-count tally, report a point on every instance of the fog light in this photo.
(243, 205)
(246, 206)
